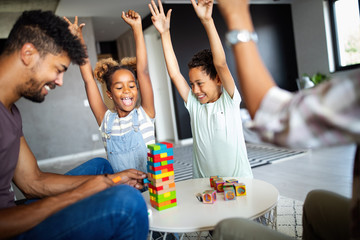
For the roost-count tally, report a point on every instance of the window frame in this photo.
(334, 38)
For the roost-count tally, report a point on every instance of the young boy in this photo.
(213, 102)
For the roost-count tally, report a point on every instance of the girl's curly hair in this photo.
(105, 68)
(129, 62)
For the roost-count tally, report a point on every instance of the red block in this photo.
(157, 158)
(168, 145)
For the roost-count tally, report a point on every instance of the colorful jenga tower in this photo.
(161, 176)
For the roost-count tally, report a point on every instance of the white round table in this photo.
(191, 215)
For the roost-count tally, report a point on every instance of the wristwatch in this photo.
(236, 36)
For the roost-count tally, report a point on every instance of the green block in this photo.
(153, 147)
(166, 207)
(161, 198)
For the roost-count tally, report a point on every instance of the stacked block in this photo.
(161, 176)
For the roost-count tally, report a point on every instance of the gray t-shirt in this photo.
(10, 133)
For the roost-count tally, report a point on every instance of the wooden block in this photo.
(240, 189)
(168, 145)
(232, 181)
(163, 191)
(209, 196)
(219, 185)
(229, 193)
(162, 175)
(159, 157)
(165, 207)
(168, 151)
(163, 197)
(171, 184)
(212, 178)
(162, 181)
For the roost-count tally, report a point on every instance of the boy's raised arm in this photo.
(203, 10)
(162, 24)
(96, 102)
(134, 20)
(253, 76)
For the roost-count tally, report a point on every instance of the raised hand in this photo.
(160, 21)
(74, 28)
(203, 9)
(132, 18)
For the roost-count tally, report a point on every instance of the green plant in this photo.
(317, 78)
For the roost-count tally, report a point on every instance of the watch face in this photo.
(243, 36)
(236, 36)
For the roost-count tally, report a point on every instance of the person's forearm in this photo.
(141, 54)
(217, 49)
(16, 220)
(169, 54)
(254, 78)
(173, 66)
(50, 184)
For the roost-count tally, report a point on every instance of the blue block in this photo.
(169, 151)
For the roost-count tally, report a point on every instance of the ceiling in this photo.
(106, 14)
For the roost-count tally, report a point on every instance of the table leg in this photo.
(269, 218)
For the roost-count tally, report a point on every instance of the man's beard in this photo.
(37, 97)
(33, 91)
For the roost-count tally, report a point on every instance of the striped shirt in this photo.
(326, 115)
(122, 126)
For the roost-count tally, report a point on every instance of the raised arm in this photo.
(254, 78)
(162, 24)
(96, 102)
(147, 96)
(203, 10)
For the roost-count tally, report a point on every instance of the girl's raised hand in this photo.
(203, 9)
(74, 28)
(132, 18)
(160, 21)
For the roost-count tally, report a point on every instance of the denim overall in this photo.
(129, 150)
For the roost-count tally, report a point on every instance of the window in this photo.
(345, 23)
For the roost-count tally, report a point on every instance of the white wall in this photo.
(312, 38)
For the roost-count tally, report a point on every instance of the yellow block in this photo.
(158, 176)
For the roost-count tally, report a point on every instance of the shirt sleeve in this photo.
(315, 117)
(236, 99)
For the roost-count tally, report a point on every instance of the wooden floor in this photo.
(328, 168)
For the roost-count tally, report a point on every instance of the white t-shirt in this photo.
(219, 145)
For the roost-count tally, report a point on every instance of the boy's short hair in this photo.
(48, 33)
(204, 59)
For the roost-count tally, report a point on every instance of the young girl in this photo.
(129, 129)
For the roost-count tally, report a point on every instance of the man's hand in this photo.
(160, 21)
(130, 177)
(94, 185)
